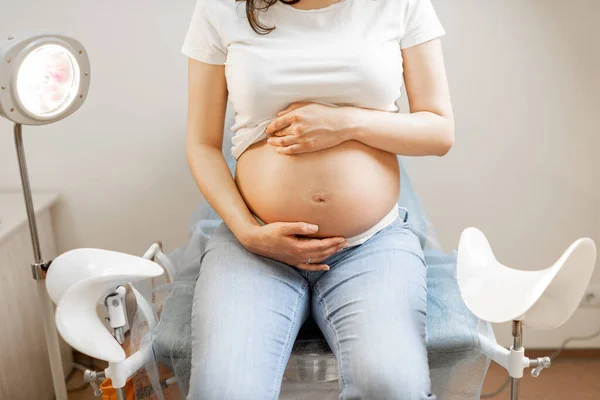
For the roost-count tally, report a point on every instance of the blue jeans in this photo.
(370, 306)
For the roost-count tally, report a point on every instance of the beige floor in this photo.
(565, 380)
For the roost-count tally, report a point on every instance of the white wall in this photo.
(524, 86)
(119, 162)
(524, 83)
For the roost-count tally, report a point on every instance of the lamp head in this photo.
(44, 77)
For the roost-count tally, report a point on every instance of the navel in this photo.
(320, 198)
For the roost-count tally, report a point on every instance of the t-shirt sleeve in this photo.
(421, 24)
(203, 41)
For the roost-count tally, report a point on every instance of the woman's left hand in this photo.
(307, 127)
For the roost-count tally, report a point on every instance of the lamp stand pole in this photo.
(39, 268)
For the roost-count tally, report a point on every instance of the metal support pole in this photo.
(38, 268)
(35, 241)
(515, 383)
(121, 393)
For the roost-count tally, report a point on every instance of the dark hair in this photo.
(252, 8)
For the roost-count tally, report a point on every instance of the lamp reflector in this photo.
(48, 80)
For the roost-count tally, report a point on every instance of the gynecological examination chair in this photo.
(467, 291)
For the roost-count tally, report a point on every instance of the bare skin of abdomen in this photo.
(344, 190)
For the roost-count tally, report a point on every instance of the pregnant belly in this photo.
(344, 190)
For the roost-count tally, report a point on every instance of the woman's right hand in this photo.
(278, 241)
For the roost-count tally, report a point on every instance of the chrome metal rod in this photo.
(121, 395)
(46, 309)
(517, 332)
(515, 388)
(515, 383)
(33, 231)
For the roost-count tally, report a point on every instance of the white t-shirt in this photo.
(346, 54)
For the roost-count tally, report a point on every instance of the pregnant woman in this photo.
(311, 222)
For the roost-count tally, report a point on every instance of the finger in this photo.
(291, 150)
(283, 141)
(281, 133)
(287, 110)
(298, 228)
(291, 130)
(279, 123)
(292, 107)
(320, 245)
(322, 255)
(313, 267)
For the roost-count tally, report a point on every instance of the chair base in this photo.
(312, 368)
(514, 360)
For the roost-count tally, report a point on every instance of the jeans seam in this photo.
(288, 339)
(333, 333)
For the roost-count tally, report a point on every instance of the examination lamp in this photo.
(44, 77)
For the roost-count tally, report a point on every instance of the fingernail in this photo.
(269, 140)
(325, 268)
(341, 241)
(312, 228)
